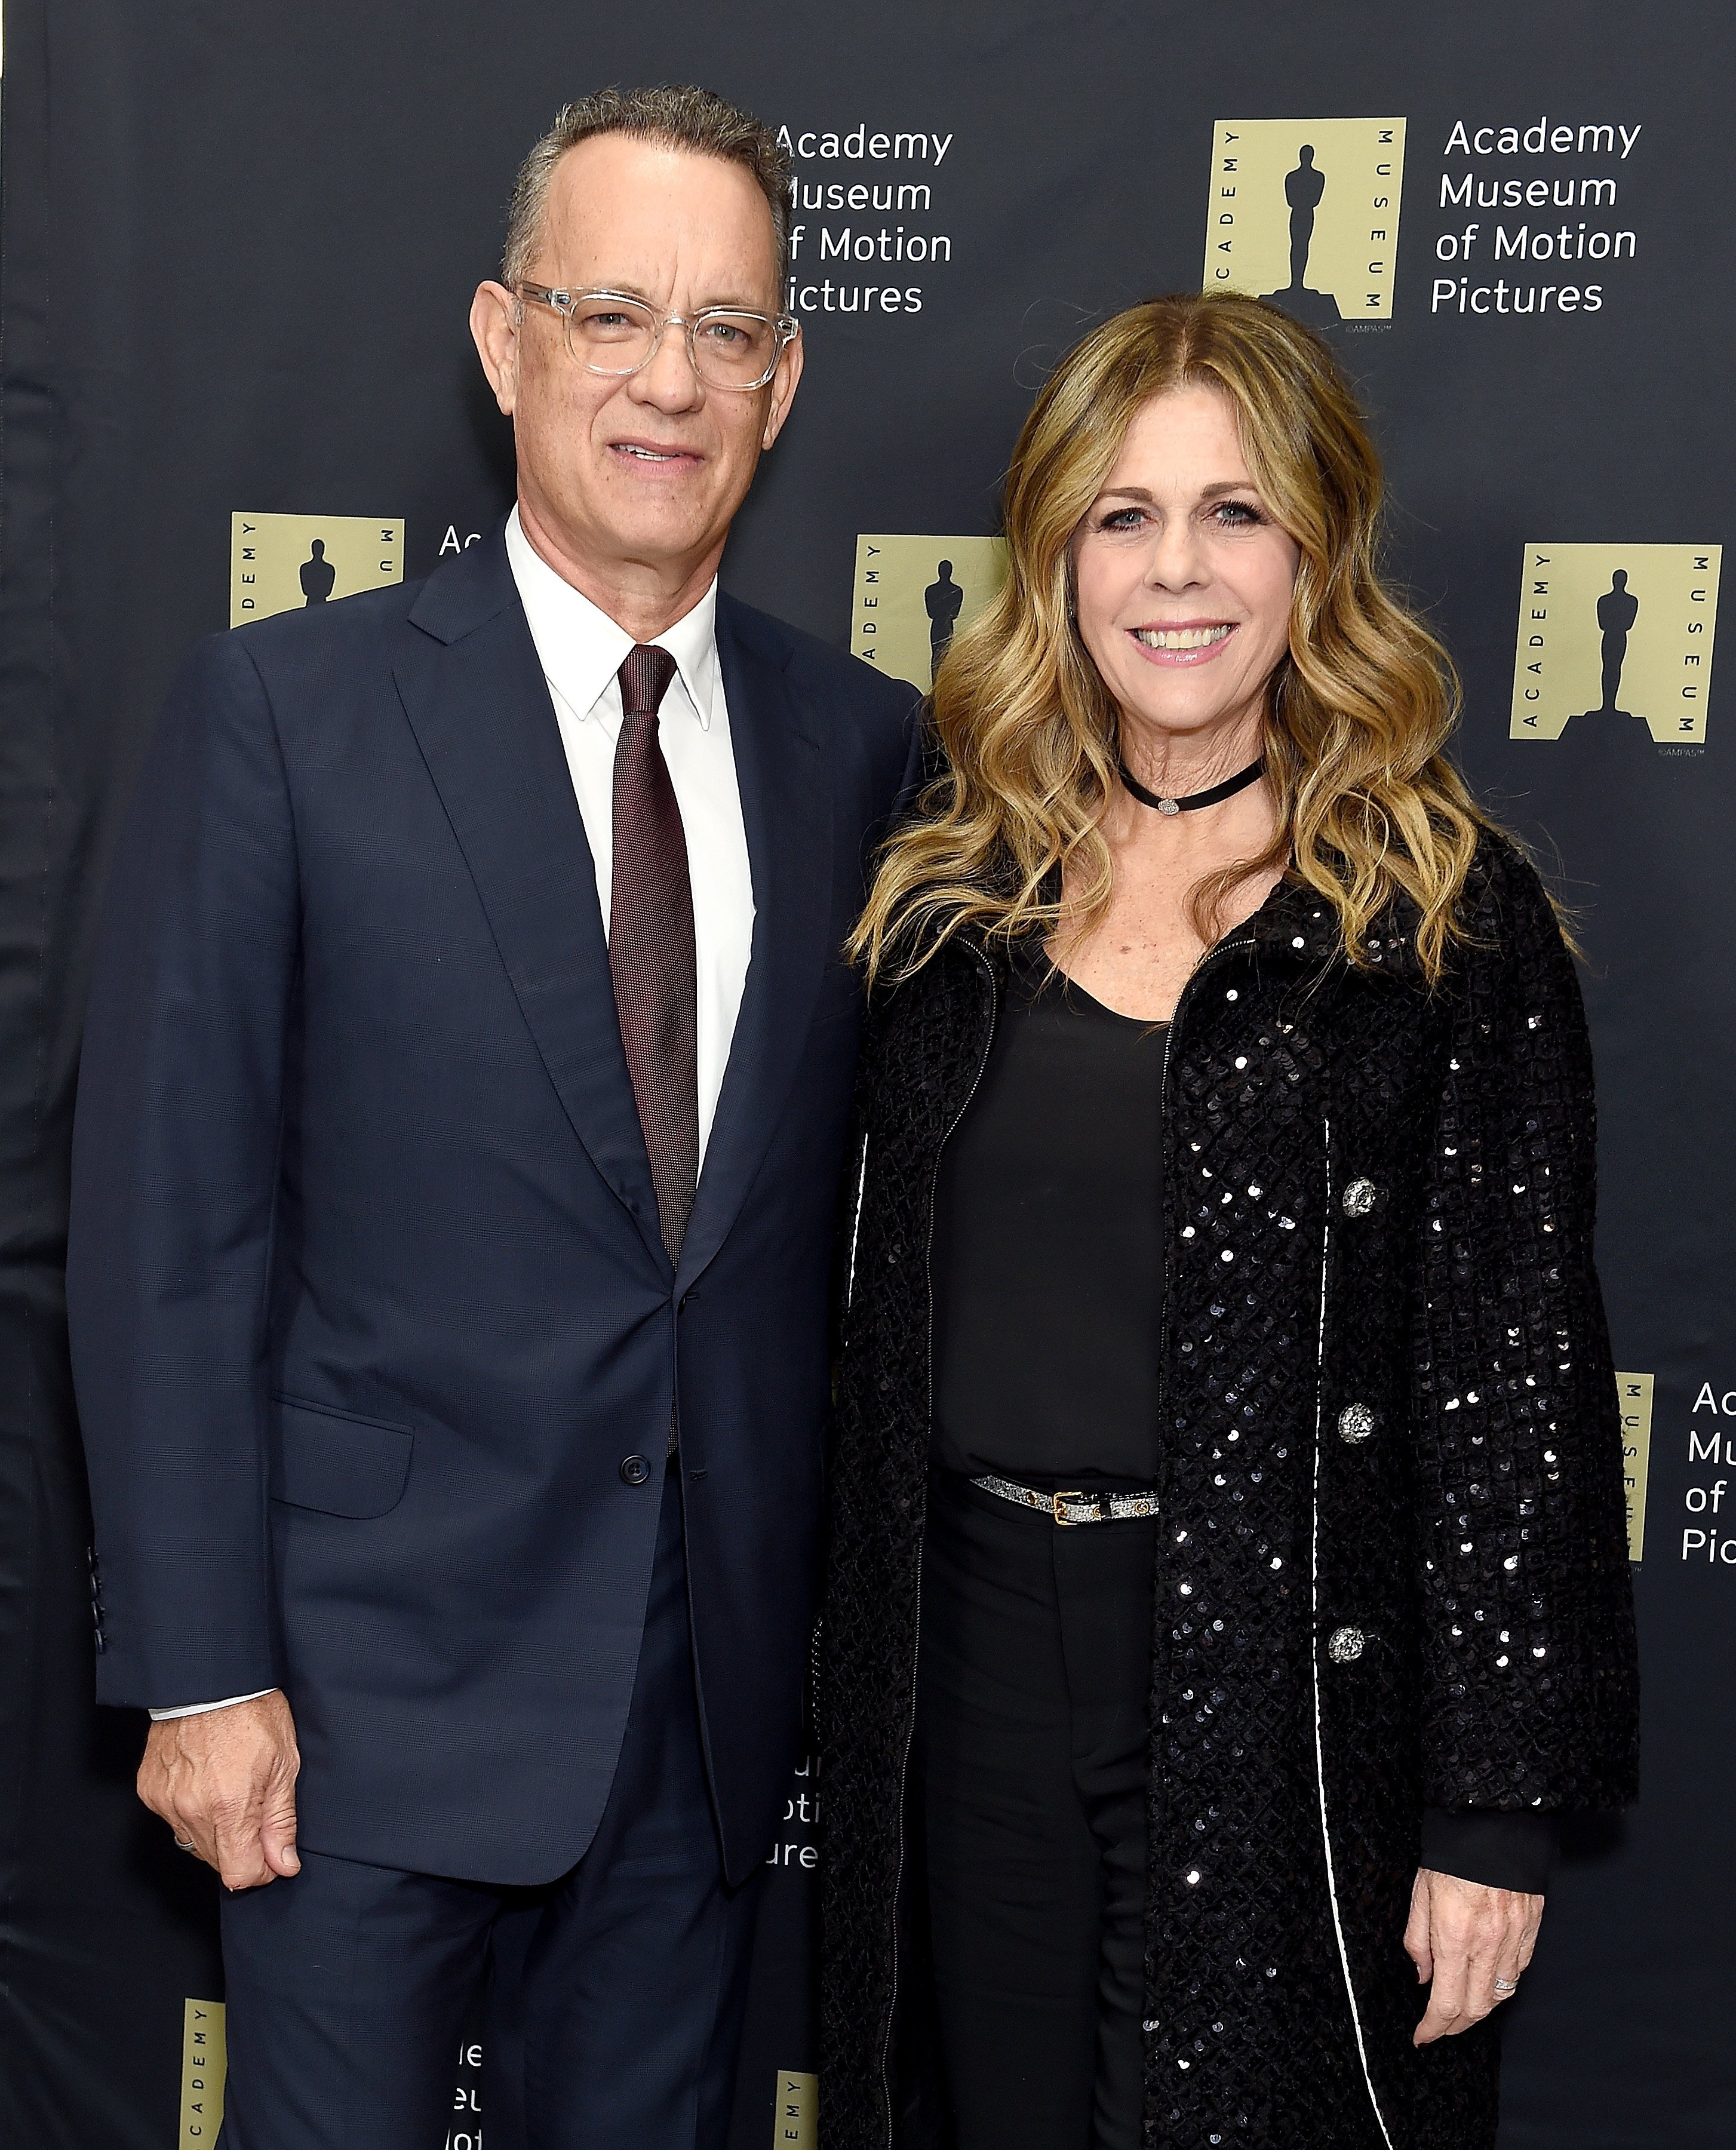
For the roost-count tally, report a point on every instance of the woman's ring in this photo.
(1503, 1986)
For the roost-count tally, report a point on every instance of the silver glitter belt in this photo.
(1074, 1506)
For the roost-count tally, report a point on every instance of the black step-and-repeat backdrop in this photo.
(239, 240)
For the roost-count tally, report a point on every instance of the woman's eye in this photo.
(1122, 518)
(1238, 514)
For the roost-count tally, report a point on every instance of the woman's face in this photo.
(1184, 578)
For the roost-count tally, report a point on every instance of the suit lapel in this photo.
(781, 769)
(479, 706)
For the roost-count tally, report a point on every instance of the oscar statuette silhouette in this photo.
(318, 575)
(1613, 747)
(1303, 188)
(942, 600)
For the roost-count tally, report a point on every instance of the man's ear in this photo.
(783, 389)
(494, 318)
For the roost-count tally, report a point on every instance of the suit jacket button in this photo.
(1346, 1645)
(634, 1470)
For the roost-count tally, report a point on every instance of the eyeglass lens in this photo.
(616, 335)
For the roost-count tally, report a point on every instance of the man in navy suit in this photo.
(459, 1133)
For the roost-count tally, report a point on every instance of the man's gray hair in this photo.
(679, 115)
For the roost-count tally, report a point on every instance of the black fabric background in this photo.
(239, 240)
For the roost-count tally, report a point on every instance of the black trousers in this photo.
(1031, 1739)
(615, 1994)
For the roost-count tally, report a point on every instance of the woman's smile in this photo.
(1189, 642)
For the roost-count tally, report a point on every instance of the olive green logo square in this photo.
(913, 594)
(1633, 1392)
(1614, 635)
(204, 2071)
(1305, 212)
(797, 2125)
(281, 563)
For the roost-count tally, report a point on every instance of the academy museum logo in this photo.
(798, 2114)
(913, 594)
(204, 2071)
(1613, 636)
(280, 563)
(1633, 1391)
(1305, 212)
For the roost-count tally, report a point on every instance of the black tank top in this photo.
(1049, 1246)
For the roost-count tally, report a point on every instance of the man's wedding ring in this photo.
(1503, 1986)
(185, 1844)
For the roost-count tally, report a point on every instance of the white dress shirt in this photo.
(581, 650)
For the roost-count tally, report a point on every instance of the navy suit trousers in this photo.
(615, 1994)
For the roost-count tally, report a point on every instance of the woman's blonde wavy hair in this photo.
(1360, 708)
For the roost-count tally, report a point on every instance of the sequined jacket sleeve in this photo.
(1529, 1679)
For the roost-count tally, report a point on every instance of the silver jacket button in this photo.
(1346, 1645)
(1355, 1422)
(1361, 1196)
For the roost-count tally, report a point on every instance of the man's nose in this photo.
(668, 382)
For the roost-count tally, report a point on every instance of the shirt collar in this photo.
(582, 649)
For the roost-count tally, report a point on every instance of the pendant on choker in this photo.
(1192, 801)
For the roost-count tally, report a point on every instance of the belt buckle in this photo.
(1066, 1522)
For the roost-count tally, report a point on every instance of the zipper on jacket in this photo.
(910, 1736)
(1314, 1627)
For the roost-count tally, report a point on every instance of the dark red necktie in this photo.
(651, 945)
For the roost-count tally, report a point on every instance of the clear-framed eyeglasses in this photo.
(612, 333)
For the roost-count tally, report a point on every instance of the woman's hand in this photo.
(1470, 1945)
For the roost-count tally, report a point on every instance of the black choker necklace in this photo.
(1227, 790)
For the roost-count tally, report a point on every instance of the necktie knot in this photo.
(645, 677)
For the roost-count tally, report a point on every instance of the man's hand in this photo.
(225, 1781)
(1463, 1938)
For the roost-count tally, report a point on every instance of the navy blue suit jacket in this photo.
(369, 1302)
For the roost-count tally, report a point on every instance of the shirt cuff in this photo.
(1494, 1848)
(199, 1709)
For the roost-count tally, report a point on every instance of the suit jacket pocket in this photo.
(337, 1462)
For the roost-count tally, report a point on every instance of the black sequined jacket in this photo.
(1393, 1568)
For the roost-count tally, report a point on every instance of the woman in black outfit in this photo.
(1228, 1585)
